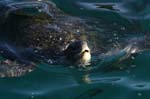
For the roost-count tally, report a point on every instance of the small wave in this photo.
(40, 6)
(101, 6)
(127, 9)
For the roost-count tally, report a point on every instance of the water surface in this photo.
(120, 79)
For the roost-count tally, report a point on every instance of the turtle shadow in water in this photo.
(89, 94)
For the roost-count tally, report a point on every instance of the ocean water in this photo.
(120, 75)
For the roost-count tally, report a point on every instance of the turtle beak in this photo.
(78, 52)
(85, 48)
(86, 51)
(85, 54)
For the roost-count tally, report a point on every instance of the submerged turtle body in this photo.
(47, 30)
(41, 26)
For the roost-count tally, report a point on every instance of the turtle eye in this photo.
(70, 47)
(73, 48)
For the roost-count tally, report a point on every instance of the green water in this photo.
(116, 79)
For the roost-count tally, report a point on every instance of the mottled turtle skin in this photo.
(46, 29)
(49, 31)
(43, 27)
(40, 26)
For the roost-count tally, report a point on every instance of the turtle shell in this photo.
(47, 30)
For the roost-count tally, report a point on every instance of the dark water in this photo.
(122, 76)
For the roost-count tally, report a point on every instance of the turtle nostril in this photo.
(86, 51)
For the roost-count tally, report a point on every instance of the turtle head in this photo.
(78, 53)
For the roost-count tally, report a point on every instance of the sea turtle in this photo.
(44, 28)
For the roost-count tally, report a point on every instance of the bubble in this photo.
(1, 52)
(49, 61)
(139, 94)
(115, 34)
(133, 51)
(36, 51)
(81, 8)
(123, 28)
(132, 57)
(133, 66)
(32, 95)
(60, 38)
(39, 10)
